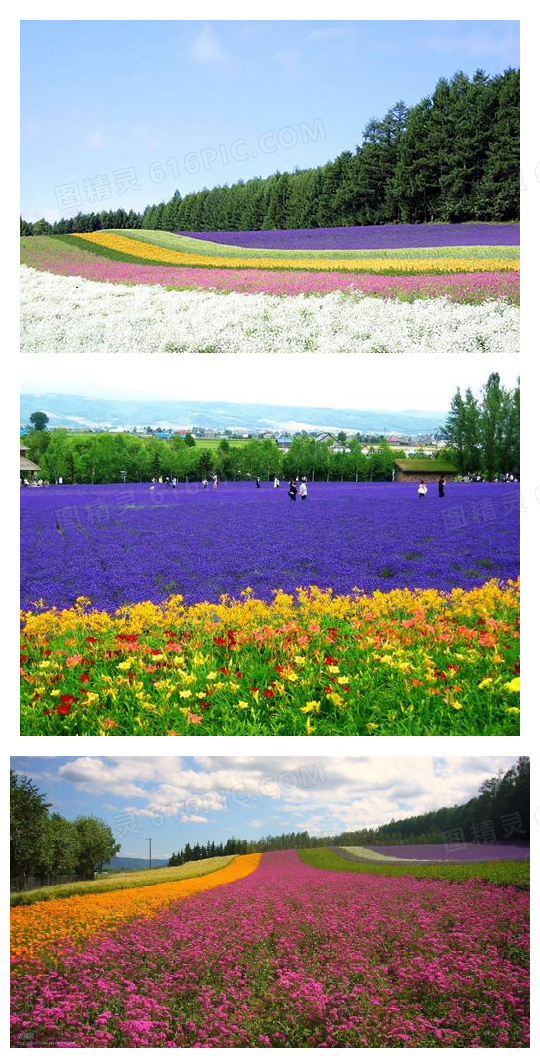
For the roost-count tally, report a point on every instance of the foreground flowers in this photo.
(399, 662)
(73, 315)
(50, 925)
(293, 956)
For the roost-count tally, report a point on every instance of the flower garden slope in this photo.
(49, 926)
(291, 956)
(80, 316)
(512, 872)
(120, 245)
(63, 258)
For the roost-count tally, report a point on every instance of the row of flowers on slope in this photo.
(309, 664)
(379, 265)
(62, 258)
(46, 928)
(296, 957)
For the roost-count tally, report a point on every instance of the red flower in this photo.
(84, 678)
(224, 670)
(91, 639)
(63, 710)
(67, 699)
(268, 693)
(416, 683)
(220, 641)
(329, 660)
(239, 675)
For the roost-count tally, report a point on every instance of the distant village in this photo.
(337, 440)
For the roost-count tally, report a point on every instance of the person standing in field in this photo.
(215, 481)
(302, 491)
(292, 489)
(204, 483)
(276, 482)
(258, 482)
(442, 484)
(422, 489)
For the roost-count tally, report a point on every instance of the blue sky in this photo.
(114, 99)
(175, 800)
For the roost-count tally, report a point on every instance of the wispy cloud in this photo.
(206, 47)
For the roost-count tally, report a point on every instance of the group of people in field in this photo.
(297, 486)
(441, 485)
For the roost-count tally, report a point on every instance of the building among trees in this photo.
(28, 468)
(424, 469)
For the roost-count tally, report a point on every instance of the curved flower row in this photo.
(292, 956)
(401, 662)
(52, 255)
(53, 925)
(381, 265)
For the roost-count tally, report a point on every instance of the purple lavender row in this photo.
(376, 237)
(376, 536)
(466, 851)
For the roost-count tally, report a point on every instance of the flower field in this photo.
(46, 926)
(289, 956)
(162, 612)
(405, 288)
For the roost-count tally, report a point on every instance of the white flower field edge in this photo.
(67, 314)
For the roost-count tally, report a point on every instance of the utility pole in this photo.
(149, 853)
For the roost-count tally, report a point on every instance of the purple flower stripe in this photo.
(458, 848)
(376, 237)
(293, 956)
(124, 544)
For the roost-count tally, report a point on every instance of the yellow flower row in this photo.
(161, 254)
(38, 927)
(260, 617)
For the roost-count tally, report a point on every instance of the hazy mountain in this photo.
(135, 863)
(74, 411)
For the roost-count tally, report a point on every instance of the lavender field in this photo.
(372, 237)
(123, 544)
(465, 851)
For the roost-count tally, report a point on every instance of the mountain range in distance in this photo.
(79, 412)
(134, 863)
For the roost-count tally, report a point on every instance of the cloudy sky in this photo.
(360, 382)
(188, 104)
(174, 800)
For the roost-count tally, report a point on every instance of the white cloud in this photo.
(206, 47)
(324, 797)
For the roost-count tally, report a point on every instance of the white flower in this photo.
(67, 314)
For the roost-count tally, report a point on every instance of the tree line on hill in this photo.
(452, 157)
(44, 845)
(483, 432)
(500, 811)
